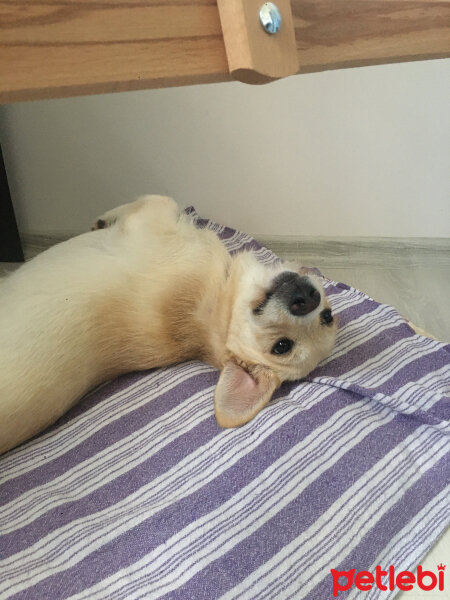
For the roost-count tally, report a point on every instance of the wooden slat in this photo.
(69, 47)
(333, 34)
(254, 56)
(63, 48)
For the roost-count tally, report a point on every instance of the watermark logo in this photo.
(404, 580)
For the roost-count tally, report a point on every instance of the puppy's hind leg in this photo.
(114, 215)
(158, 209)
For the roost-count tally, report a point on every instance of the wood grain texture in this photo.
(255, 56)
(63, 48)
(56, 48)
(333, 34)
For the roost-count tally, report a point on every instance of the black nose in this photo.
(297, 293)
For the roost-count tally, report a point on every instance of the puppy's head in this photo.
(281, 327)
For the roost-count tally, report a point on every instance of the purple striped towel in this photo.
(137, 493)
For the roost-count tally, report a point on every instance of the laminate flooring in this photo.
(413, 275)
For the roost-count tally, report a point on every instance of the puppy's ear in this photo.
(239, 395)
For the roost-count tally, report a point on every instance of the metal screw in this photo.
(270, 17)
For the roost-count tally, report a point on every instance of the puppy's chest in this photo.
(166, 325)
(185, 313)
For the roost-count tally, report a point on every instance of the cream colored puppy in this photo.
(148, 289)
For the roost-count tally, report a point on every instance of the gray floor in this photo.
(413, 275)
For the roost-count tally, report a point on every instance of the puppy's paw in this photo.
(100, 224)
(105, 220)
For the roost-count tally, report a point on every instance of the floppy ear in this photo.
(239, 395)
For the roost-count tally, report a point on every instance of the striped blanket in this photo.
(137, 493)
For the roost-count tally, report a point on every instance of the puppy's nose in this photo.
(298, 293)
(304, 300)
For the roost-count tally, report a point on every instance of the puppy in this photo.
(148, 289)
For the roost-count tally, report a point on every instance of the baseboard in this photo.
(364, 250)
(337, 251)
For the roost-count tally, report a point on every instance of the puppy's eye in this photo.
(326, 317)
(282, 346)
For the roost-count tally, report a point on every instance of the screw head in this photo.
(270, 17)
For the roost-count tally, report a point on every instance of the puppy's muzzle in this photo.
(296, 293)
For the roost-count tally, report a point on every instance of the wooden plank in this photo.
(58, 48)
(334, 34)
(255, 56)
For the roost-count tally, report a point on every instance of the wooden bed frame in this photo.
(57, 48)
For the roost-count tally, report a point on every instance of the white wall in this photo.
(351, 152)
